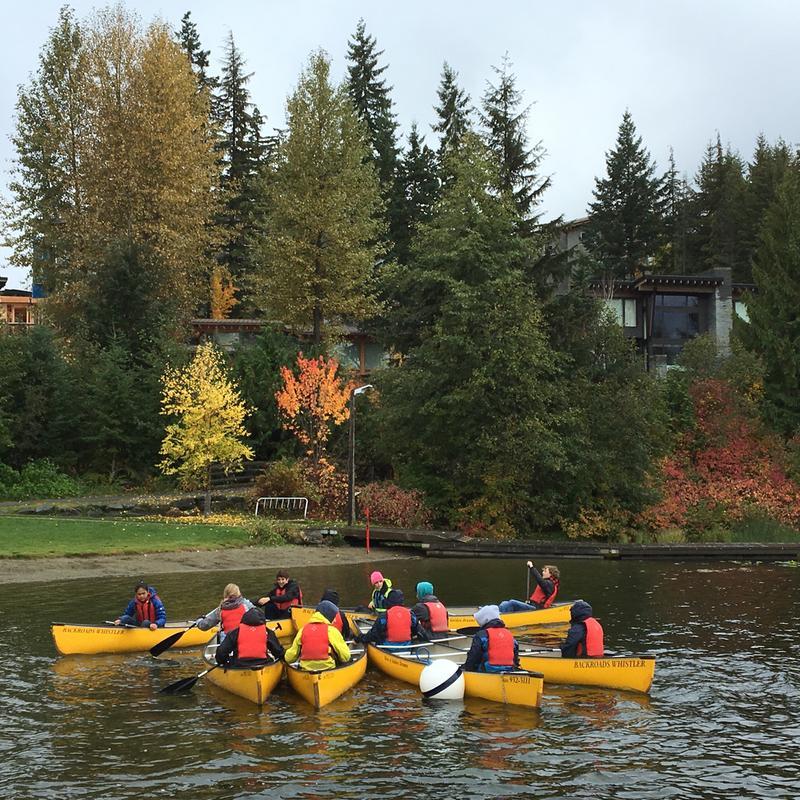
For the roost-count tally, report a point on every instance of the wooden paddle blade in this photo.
(165, 644)
(183, 685)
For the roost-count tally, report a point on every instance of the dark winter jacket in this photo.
(228, 651)
(478, 655)
(577, 630)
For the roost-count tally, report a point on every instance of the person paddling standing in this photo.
(145, 610)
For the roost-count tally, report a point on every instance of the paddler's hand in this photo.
(153, 626)
(530, 565)
(118, 622)
(262, 601)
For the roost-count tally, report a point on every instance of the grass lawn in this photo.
(30, 537)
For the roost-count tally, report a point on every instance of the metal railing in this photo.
(282, 504)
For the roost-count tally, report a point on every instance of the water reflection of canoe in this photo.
(628, 673)
(519, 688)
(323, 687)
(460, 617)
(252, 683)
(93, 639)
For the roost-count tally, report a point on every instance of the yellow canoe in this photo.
(323, 687)
(459, 617)
(93, 639)
(518, 688)
(627, 673)
(252, 683)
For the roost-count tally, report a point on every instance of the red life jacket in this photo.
(593, 645)
(543, 600)
(439, 622)
(251, 641)
(398, 624)
(337, 622)
(231, 617)
(284, 604)
(314, 642)
(145, 611)
(501, 647)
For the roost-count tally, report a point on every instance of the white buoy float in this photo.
(442, 680)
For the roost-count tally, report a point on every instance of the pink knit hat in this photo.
(375, 577)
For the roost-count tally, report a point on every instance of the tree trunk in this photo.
(207, 503)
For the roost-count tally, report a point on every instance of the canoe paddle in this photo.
(165, 644)
(184, 684)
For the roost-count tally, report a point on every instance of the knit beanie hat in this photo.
(424, 588)
(395, 598)
(332, 595)
(486, 614)
(375, 577)
(254, 617)
(327, 609)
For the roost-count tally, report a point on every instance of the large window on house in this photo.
(624, 310)
(677, 317)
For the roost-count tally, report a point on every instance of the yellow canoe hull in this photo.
(461, 617)
(512, 688)
(321, 688)
(94, 639)
(632, 673)
(252, 683)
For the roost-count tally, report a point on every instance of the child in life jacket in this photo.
(145, 610)
(431, 614)
(284, 594)
(319, 645)
(251, 643)
(585, 634)
(228, 614)
(544, 593)
(493, 648)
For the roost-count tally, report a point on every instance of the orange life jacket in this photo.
(593, 644)
(251, 641)
(145, 610)
(543, 600)
(398, 624)
(231, 617)
(284, 604)
(501, 647)
(337, 622)
(439, 622)
(314, 642)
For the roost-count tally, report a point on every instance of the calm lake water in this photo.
(722, 719)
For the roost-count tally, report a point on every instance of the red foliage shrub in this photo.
(727, 463)
(390, 505)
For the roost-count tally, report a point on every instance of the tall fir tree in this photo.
(189, 40)
(719, 213)
(773, 332)
(454, 114)
(242, 150)
(672, 258)
(518, 163)
(625, 228)
(416, 193)
(323, 230)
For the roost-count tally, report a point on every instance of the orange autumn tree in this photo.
(312, 402)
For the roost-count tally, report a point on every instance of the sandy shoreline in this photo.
(34, 570)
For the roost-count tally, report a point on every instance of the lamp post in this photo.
(351, 483)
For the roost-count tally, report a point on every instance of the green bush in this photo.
(37, 479)
(756, 527)
(268, 532)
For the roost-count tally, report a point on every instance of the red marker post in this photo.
(366, 535)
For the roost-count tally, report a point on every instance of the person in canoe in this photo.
(318, 644)
(493, 647)
(252, 642)
(585, 634)
(430, 612)
(283, 595)
(145, 610)
(340, 621)
(228, 614)
(397, 626)
(546, 591)
(380, 589)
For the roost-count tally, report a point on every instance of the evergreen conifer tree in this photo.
(454, 114)
(773, 332)
(518, 163)
(625, 226)
(672, 258)
(189, 40)
(242, 150)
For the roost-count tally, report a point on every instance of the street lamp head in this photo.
(362, 389)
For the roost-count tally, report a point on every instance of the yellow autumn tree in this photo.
(208, 424)
(223, 293)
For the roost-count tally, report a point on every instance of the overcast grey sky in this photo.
(684, 69)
